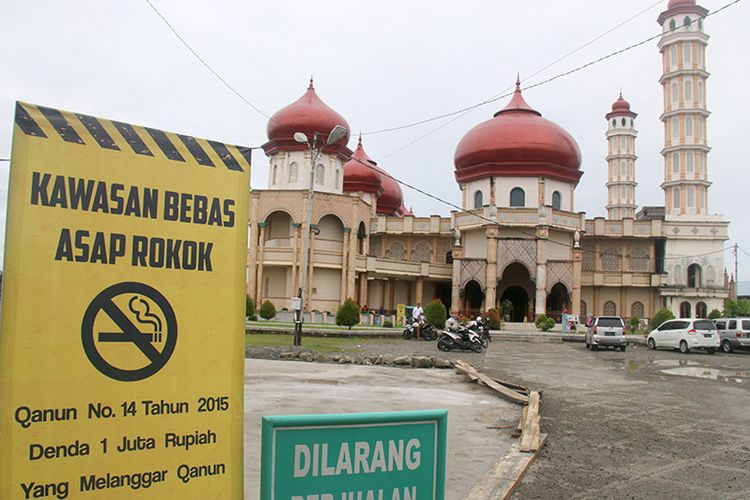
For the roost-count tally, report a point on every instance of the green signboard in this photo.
(354, 456)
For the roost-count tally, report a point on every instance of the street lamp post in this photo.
(334, 135)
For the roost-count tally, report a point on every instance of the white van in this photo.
(734, 333)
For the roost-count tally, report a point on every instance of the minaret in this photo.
(683, 45)
(621, 183)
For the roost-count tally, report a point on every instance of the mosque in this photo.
(518, 240)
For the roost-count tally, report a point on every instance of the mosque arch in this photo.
(515, 291)
(609, 309)
(694, 276)
(701, 310)
(278, 228)
(473, 296)
(331, 228)
(685, 310)
(558, 300)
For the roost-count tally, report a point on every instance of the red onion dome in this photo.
(517, 142)
(361, 174)
(682, 7)
(308, 114)
(676, 3)
(621, 107)
(391, 200)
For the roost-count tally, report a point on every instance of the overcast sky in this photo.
(381, 64)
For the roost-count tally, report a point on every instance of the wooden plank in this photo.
(502, 390)
(504, 476)
(535, 437)
(515, 387)
(522, 420)
(527, 434)
(470, 377)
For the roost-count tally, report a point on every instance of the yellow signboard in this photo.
(122, 346)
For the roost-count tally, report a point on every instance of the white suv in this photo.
(685, 334)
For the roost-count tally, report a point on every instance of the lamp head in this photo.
(335, 134)
(300, 137)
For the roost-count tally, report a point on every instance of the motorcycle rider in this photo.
(418, 315)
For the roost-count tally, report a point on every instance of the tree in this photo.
(436, 314)
(715, 313)
(660, 317)
(736, 308)
(348, 314)
(250, 308)
(267, 310)
(493, 319)
(544, 323)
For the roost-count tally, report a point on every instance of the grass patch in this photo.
(317, 326)
(320, 344)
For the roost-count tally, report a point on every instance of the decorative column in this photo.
(363, 289)
(259, 272)
(252, 256)
(344, 265)
(296, 229)
(351, 267)
(542, 235)
(458, 253)
(577, 255)
(490, 297)
(419, 296)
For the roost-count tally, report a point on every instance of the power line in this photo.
(543, 82)
(203, 62)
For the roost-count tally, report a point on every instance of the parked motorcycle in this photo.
(429, 332)
(482, 328)
(462, 338)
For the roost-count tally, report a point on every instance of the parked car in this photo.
(685, 334)
(734, 333)
(606, 331)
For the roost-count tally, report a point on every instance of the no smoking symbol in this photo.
(144, 334)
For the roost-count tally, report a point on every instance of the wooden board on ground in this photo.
(505, 475)
(530, 440)
(471, 372)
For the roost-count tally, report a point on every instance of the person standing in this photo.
(418, 315)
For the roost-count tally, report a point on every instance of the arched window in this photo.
(675, 127)
(685, 310)
(320, 174)
(478, 199)
(583, 308)
(614, 122)
(689, 126)
(293, 169)
(337, 178)
(636, 310)
(691, 196)
(273, 177)
(701, 310)
(688, 90)
(674, 92)
(676, 198)
(517, 197)
(396, 251)
(686, 21)
(449, 257)
(675, 162)
(361, 238)
(687, 52)
(623, 168)
(556, 200)
(690, 161)
(672, 24)
(610, 309)
(623, 122)
(700, 92)
(694, 276)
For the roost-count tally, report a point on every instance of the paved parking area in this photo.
(639, 424)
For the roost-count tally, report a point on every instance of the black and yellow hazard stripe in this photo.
(50, 123)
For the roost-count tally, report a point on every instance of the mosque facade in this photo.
(518, 241)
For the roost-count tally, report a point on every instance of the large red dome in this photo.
(392, 199)
(308, 114)
(517, 142)
(360, 173)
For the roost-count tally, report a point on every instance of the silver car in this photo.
(734, 333)
(606, 331)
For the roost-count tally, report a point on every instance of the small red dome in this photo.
(517, 142)
(308, 114)
(621, 107)
(392, 199)
(361, 174)
(676, 3)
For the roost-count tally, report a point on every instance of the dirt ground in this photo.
(639, 424)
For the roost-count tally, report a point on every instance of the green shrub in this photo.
(436, 314)
(715, 313)
(544, 323)
(348, 314)
(387, 324)
(634, 322)
(267, 310)
(660, 317)
(250, 308)
(493, 319)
